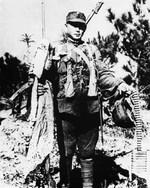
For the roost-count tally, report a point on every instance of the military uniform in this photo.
(79, 113)
(78, 77)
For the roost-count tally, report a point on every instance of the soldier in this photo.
(78, 77)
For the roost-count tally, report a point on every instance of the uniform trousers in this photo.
(80, 132)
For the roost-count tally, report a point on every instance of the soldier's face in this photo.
(75, 30)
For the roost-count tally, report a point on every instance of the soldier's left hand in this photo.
(41, 89)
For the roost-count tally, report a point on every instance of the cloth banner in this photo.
(41, 143)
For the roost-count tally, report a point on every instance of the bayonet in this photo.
(94, 11)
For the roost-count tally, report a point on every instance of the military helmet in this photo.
(76, 16)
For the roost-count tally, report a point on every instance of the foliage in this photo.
(12, 74)
(112, 157)
(133, 30)
(108, 46)
(27, 39)
(132, 38)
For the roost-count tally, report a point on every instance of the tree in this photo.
(130, 38)
(108, 47)
(133, 29)
(12, 74)
(28, 40)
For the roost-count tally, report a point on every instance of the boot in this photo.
(87, 173)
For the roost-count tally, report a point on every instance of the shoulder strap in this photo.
(90, 63)
(83, 56)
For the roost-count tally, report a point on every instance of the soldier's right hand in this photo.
(41, 89)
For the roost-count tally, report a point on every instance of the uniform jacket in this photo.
(80, 103)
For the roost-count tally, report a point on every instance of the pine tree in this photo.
(26, 38)
(133, 29)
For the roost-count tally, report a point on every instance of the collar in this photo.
(74, 42)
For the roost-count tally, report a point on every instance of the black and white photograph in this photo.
(74, 94)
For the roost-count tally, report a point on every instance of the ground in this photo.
(113, 164)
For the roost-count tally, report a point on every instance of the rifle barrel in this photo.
(43, 18)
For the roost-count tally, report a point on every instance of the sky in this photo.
(24, 16)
